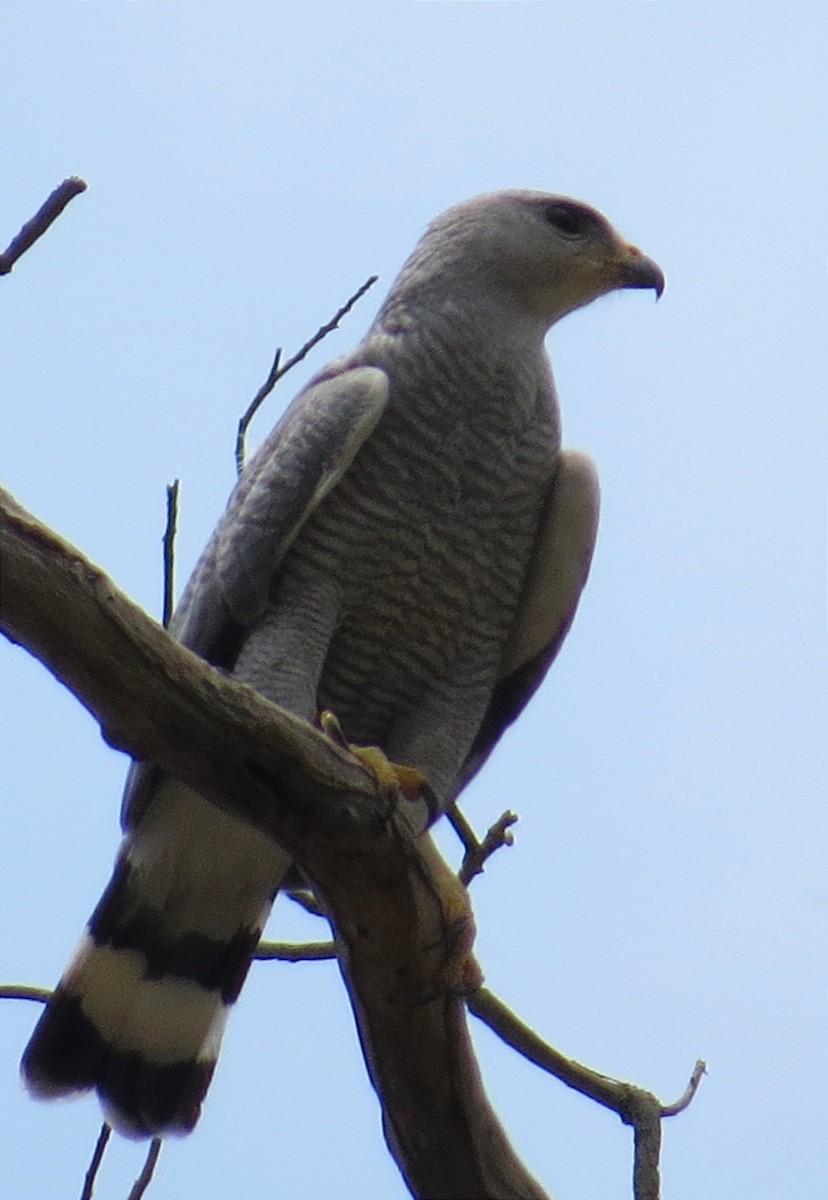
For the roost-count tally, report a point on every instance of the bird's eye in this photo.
(566, 219)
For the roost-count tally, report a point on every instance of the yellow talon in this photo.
(391, 777)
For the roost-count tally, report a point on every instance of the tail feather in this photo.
(66, 1053)
(140, 1011)
(149, 1046)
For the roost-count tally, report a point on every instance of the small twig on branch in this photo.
(21, 991)
(264, 391)
(145, 1178)
(277, 371)
(95, 1163)
(477, 852)
(673, 1110)
(462, 828)
(48, 212)
(170, 530)
(291, 952)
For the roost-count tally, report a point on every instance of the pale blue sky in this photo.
(249, 166)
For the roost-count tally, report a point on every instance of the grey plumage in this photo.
(407, 549)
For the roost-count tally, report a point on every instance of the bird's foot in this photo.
(455, 968)
(392, 778)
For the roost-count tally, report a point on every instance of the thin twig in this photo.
(498, 835)
(95, 1163)
(494, 1013)
(293, 952)
(634, 1105)
(264, 391)
(145, 1178)
(21, 991)
(330, 326)
(277, 371)
(170, 530)
(48, 212)
(462, 827)
(477, 852)
(672, 1110)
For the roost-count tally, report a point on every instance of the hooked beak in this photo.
(638, 271)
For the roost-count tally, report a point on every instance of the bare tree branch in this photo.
(145, 1178)
(288, 952)
(21, 991)
(168, 543)
(273, 376)
(643, 1112)
(48, 212)
(95, 1162)
(686, 1098)
(277, 371)
(634, 1105)
(403, 952)
(477, 852)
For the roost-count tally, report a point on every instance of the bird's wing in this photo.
(300, 463)
(555, 578)
(297, 466)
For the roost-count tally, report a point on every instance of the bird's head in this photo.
(548, 254)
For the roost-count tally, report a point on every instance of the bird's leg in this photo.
(458, 970)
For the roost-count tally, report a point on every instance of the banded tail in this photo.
(140, 1011)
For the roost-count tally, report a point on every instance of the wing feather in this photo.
(301, 461)
(557, 572)
(297, 466)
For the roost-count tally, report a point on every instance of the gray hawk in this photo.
(406, 550)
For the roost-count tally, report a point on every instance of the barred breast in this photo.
(426, 541)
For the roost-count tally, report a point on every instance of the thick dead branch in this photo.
(383, 886)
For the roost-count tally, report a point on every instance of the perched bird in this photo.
(406, 550)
